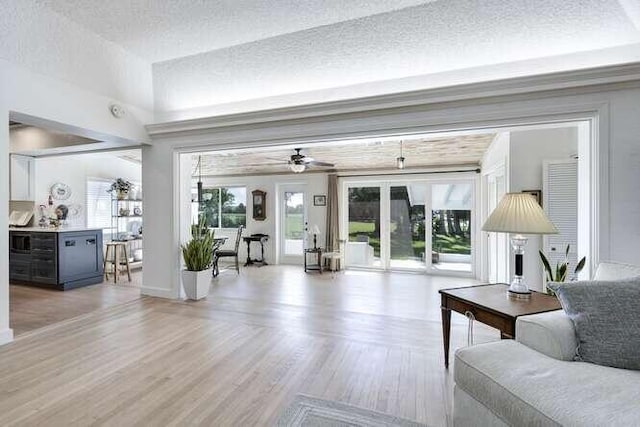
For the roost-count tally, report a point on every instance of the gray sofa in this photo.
(533, 381)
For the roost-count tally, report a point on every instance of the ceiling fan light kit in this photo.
(297, 167)
(298, 162)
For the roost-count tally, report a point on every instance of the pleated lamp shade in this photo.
(519, 213)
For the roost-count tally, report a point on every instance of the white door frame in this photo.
(387, 181)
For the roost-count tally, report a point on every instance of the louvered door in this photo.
(560, 202)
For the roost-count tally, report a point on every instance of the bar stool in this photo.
(116, 249)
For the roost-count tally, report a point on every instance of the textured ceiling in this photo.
(419, 152)
(165, 29)
(432, 39)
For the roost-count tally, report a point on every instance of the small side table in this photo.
(260, 238)
(318, 265)
(490, 304)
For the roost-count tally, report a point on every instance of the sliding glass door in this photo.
(451, 226)
(407, 243)
(419, 224)
(364, 226)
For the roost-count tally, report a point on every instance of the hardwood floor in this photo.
(33, 308)
(239, 357)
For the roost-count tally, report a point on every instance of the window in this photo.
(223, 207)
(98, 204)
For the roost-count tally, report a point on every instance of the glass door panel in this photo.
(363, 245)
(451, 227)
(293, 223)
(407, 226)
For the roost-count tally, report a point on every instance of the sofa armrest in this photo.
(552, 334)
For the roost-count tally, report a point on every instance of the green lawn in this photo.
(294, 226)
(441, 243)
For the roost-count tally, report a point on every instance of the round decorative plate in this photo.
(137, 211)
(60, 191)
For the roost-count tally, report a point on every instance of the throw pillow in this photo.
(606, 316)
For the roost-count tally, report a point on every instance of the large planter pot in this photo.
(196, 283)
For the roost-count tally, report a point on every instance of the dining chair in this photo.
(232, 253)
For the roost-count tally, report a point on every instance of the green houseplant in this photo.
(559, 274)
(198, 259)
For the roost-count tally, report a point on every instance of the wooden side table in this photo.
(490, 304)
(318, 265)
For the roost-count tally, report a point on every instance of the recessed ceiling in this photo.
(464, 150)
(165, 29)
(35, 141)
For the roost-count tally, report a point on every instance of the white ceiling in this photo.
(159, 30)
(419, 152)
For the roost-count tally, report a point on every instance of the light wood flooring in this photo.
(239, 357)
(32, 308)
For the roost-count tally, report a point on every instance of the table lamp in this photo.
(519, 214)
(315, 230)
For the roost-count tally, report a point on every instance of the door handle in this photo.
(91, 241)
(70, 243)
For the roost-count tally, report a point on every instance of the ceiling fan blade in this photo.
(308, 160)
(280, 163)
(323, 164)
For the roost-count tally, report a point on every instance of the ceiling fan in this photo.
(298, 162)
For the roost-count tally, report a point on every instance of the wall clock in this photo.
(259, 205)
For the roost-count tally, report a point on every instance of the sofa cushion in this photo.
(616, 271)
(550, 333)
(606, 316)
(524, 387)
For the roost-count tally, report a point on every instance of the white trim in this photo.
(158, 292)
(6, 336)
(520, 85)
(485, 113)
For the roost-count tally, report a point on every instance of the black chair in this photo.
(232, 253)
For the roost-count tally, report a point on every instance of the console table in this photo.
(260, 238)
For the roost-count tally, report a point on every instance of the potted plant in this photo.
(561, 270)
(198, 260)
(121, 188)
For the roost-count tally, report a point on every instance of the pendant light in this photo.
(199, 183)
(400, 160)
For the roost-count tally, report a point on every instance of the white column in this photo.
(6, 334)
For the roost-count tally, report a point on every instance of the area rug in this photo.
(307, 411)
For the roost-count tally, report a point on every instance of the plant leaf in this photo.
(547, 266)
(580, 265)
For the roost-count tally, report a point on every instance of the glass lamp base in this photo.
(519, 289)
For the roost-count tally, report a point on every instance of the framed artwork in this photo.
(535, 193)
(320, 200)
(259, 200)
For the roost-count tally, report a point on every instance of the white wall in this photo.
(315, 183)
(497, 155)
(36, 38)
(527, 151)
(74, 170)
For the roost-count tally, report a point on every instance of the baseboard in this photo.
(158, 292)
(6, 336)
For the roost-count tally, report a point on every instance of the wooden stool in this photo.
(116, 249)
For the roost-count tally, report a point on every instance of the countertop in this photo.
(52, 230)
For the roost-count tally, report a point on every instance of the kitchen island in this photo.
(64, 258)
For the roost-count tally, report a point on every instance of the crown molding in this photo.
(593, 79)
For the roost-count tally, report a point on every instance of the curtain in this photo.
(333, 231)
